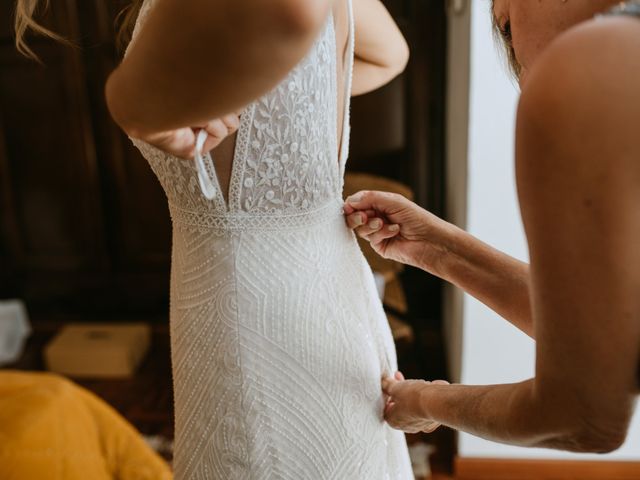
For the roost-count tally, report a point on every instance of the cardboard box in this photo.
(98, 350)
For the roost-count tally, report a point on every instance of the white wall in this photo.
(492, 350)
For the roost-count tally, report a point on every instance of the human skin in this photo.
(164, 91)
(578, 181)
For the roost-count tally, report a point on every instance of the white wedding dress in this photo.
(279, 340)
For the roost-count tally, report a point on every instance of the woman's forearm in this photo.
(507, 414)
(428, 242)
(498, 412)
(513, 414)
(496, 279)
(198, 60)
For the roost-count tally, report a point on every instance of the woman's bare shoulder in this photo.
(579, 114)
(596, 62)
(584, 91)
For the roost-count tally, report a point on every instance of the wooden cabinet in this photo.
(84, 226)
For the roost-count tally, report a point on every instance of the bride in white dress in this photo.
(279, 340)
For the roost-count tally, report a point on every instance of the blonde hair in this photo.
(504, 38)
(26, 10)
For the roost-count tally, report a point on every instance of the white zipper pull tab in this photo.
(206, 184)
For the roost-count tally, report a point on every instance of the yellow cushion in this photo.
(52, 429)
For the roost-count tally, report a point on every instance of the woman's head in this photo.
(26, 10)
(528, 26)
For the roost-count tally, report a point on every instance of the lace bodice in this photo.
(286, 160)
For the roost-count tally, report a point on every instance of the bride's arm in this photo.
(381, 50)
(201, 59)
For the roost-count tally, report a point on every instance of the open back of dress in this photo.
(279, 340)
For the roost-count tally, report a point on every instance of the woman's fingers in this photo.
(400, 411)
(385, 233)
(362, 200)
(388, 385)
(348, 209)
(232, 122)
(355, 220)
(379, 201)
(388, 407)
(219, 129)
(372, 226)
(182, 142)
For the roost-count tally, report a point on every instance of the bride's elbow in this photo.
(397, 59)
(402, 56)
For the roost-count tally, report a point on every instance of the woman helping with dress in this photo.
(578, 180)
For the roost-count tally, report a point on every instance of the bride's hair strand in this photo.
(24, 21)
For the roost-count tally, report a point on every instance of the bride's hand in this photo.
(182, 142)
(398, 229)
(404, 409)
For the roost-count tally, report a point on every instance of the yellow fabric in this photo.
(53, 429)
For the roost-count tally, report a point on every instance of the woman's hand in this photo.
(404, 409)
(399, 229)
(182, 142)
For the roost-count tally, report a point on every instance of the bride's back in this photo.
(286, 156)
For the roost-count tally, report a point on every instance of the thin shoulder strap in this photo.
(348, 62)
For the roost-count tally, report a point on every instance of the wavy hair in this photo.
(27, 10)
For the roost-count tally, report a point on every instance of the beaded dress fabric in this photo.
(279, 340)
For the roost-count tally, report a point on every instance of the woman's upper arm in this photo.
(198, 60)
(578, 172)
(380, 48)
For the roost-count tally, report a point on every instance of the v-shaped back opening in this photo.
(227, 155)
